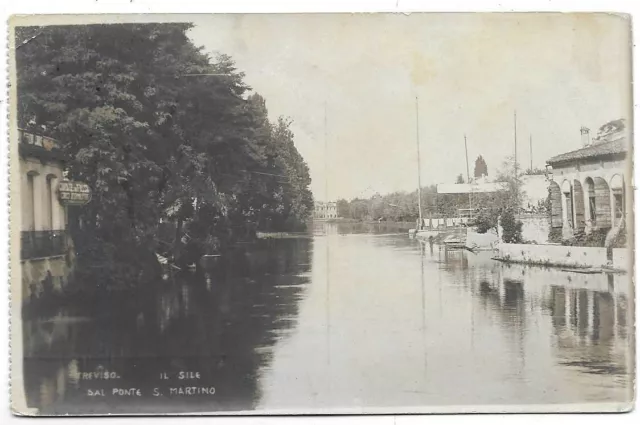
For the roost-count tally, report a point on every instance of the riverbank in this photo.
(282, 235)
(352, 220)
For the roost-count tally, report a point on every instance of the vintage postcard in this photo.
(321, 213)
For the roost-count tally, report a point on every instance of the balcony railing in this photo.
(41, 244)
(41, 147)
(44, 142)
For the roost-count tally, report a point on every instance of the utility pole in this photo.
(531, 151)
(515, 155)
(326, 157)
(466, 155)
(515, 145)
(419, 171)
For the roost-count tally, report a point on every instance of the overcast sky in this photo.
(469, 71)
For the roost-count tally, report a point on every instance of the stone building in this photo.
(589, 186)
(45, 249)
(325, 210)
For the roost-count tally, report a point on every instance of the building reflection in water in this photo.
(240, 323)
(591, 327)
(589, 313)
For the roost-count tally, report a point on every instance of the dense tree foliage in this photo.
(609, 129)
(343, 208)
(511, 227)
(492, 206)
(480, 169)
(487, 208)
(181, 158)
(396, 206)
(535, 172)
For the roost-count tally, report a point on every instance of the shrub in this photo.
(594, 239)
(511, 227)
(486, 220)
(620, 240)
(555, 235)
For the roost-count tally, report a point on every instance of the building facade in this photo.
(325, 210)
(588, 187)
(45, 253)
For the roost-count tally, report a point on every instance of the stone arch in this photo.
(578, 203)
(602, 202)
(555, 200)
(616, 182)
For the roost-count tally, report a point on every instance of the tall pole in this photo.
(327, 281)
(531, 151)
(515, 144)
(515, 155)
(326, 157)
(466, 155)
(419, 179)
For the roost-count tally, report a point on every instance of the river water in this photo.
(355, 318)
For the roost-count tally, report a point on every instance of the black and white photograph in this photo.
(321, 213)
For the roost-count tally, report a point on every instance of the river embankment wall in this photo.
(565, 256)
(483, 241)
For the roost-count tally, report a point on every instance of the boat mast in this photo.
(419, 179)
(515, 158)
(466, 156)
(326, 158)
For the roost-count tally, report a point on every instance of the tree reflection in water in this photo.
(220, 324)
(464, 328)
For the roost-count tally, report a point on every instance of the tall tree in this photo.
(181, 160)
(480, 169)
(343, 208)
(609, 129)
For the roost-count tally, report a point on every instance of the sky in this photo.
(351, 85)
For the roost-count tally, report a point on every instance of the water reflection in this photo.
(357, 316)
(221, 325)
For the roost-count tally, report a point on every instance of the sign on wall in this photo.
(74, 193)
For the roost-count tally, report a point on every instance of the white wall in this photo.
(541, 277)
(487, 240)
(558, 255)
(535, 228)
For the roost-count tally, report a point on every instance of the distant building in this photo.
(587, 188)
(44, 249)
(325, 210)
